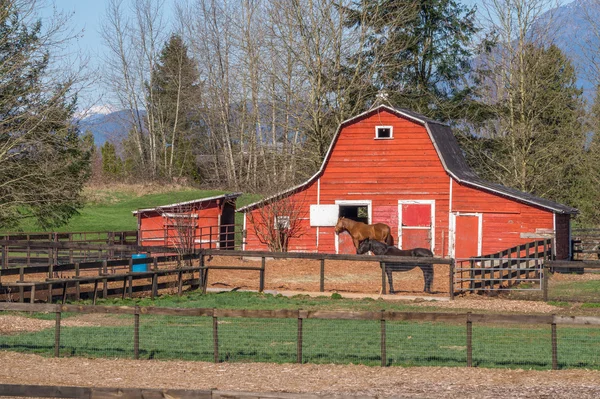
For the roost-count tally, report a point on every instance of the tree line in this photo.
(247, 94)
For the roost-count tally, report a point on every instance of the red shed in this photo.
(400, 168)
(202, 223)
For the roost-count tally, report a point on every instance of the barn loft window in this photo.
(358, 213)
(384, 132)
(282, 222)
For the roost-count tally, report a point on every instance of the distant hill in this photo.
(105, 123)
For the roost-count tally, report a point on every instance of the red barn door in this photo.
(467, 236)
(415, 223)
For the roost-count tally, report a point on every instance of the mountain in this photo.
(105, 122)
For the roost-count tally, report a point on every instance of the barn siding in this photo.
(407, 167)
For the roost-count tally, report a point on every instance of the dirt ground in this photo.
(327, 380)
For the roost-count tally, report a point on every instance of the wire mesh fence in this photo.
(289, 336)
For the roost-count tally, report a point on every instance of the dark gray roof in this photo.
(224, 197)
(452, 159)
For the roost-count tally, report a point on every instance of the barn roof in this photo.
(450, 155)
(180, 204)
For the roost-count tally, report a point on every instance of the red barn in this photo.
(400, 168)
(201, 223)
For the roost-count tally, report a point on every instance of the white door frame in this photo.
(453, 216)
(431, 228)
(355, 203)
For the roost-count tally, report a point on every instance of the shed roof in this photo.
(450, 155)
(180, 204)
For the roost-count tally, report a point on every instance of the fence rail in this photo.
(503, 270)
(304, 328)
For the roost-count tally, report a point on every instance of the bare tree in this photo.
(279, 220)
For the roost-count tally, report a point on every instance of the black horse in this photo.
(379, 248)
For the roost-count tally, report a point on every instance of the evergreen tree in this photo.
(43, 164)
(536, 142)
(112, 166)
(175, 95)
(422, 52)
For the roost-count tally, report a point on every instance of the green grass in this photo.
(110, 210)
(324, 341)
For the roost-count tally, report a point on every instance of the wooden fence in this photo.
(35, 249)
(122, 270)
(502, 269)
(467, 319)
(585, 244)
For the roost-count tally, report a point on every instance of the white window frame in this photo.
(367, 203)
(431, 228)
(384, 127)
(284, 225)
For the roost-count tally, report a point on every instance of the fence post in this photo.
(383, 290)
(322, 276)
(136, 332)
(383, 341)
(5, 256)
(472, 275)
(451, 278)
(77, 285)
(215, 336)
(301, 315)
(554, 345)
(57, 333)
(546, 270)
(104, 281)
(22, 288)
(261, 283)
(469, 340)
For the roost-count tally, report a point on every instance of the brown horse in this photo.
(361, 231)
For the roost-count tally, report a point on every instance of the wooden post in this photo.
(130, 278)
(201, 273)
(77, 285)
(21, 288)
(546, 271)
(383, 341)
(472, 275)
(451, 278)
(469, 341)
(136, 333)
(95, 291)
(215, 337)
(382, 264)
(301, 315)
(261, 283)
(5, 256)
(322, 276)
(179, 283)
(57, 333)
(28, 262)
(154, 286)
(50, 273)
(64, 294)
(554, 347)
(204, 281)
(55, 250)
(104, 281)
(32, 294)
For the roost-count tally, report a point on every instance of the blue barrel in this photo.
(142, 267)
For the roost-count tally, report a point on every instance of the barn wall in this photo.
(360, 167)
(153, 227)
(504, 219)
(407, 167)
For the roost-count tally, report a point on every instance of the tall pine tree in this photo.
(422, 52)
(43, 164)
(174, 109)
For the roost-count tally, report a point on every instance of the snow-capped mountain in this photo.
(106, 122)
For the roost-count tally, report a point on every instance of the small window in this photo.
(282, 222)
(384, 132)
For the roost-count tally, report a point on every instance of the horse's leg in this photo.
(388, 271)
(427, 276)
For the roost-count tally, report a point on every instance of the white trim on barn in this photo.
(453, 216)
(432, 223)
(368, 203)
